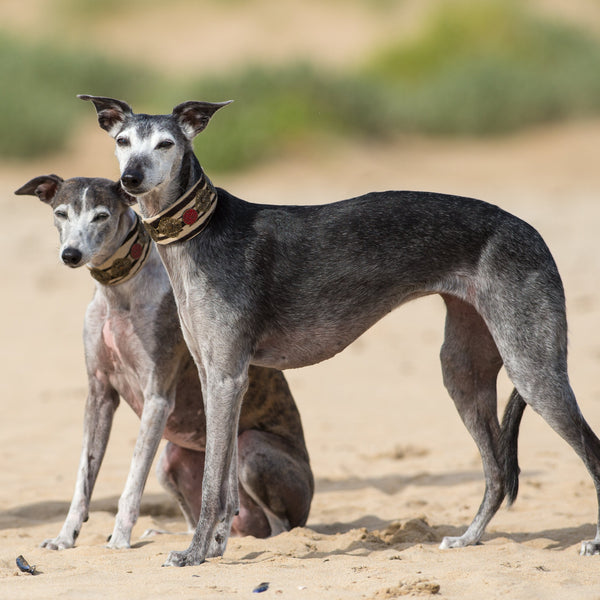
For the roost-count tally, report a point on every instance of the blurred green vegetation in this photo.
(277, 108)
(38, 105)
(474, 68)
(487, 68)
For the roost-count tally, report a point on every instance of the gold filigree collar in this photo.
(186, 217)
(127, 260)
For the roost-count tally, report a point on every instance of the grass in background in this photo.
(475, 68)
(488, 67)
(38, 107)
(278, 108)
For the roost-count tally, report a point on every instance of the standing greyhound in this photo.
(134, 348)
(288, 286)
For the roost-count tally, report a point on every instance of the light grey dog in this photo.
(288, 286)
(134, 349)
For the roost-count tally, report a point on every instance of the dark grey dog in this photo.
(134, 349)
(291, 286)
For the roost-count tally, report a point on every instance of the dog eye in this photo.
(60, 214)
(164, 145)
(99, 217)
(122, 141)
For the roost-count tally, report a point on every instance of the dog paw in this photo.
(217, 546)
(182, 559)
(218, 543)
(118, 541)
(452, 542)
(57, 543)
(590, 548)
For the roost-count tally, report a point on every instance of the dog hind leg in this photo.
(180, 472)
(276, 479)
(470, 366)
(558, 406)
(275, 487)
(532, 339)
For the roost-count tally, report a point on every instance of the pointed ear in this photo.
(111, 112)
(193, 117)
(124, 197)
(44, 187)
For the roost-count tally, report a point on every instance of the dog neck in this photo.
(127, 260)
(187, 216)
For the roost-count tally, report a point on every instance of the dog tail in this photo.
(509, 444)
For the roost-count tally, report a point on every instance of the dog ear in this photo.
(44, 187)
(111, 112)
(193, 117)
(124, 197)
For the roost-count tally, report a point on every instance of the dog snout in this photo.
(132, 179)
(71, 257)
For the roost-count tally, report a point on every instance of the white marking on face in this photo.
(153, 155)
(84, 226)
(70, 225)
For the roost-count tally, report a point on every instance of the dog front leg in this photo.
(100, 408)
(223, 528)
(220, 502)
(154, 418)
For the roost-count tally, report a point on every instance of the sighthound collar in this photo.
(186, 217)
(127, 260)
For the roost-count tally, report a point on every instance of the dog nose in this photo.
(71, 257)
(132, 179)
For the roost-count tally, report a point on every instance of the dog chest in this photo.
(110, 333)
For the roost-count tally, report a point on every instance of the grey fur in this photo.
(287, 286)
(135, 350)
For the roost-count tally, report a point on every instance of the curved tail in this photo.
(509, 437)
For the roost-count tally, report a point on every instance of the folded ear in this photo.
(193, 117)
(111, 112)
(44, 187)
(124, 197)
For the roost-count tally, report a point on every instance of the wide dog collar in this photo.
(186, 217)
(127, 260)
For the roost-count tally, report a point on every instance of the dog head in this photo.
(150, 148)
(91, 215)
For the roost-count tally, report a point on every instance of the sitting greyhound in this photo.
(134, 349)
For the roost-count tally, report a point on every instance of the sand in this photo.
(395, 469)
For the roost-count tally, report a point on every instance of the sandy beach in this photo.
(395, 469)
